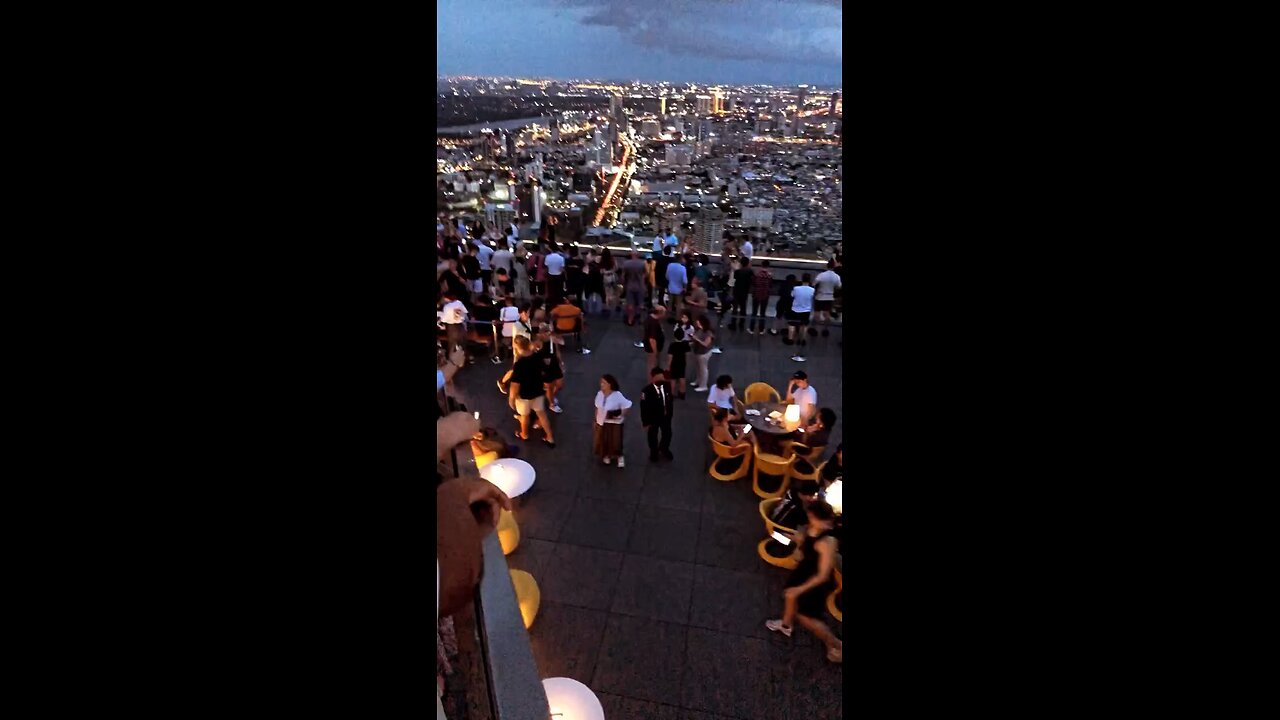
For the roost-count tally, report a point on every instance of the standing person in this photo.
(811, 582)
(485, 254)
(552, 366)
(528, 397)
(594, 288)
(633, 285)
(455, 320)
(660, 275)
(824, 297)
(537, 268)
(782, 313)
(695, 299)
(555, 275)
(510, 318)
(677, 277)
(747, 249)
(503, 259)
(656, 408)
(609, 269)
(453, 281)
(704, 271)
(701, 344)
(742, 279)
(471, 270)
(761, 286)
(801, 308)
(649, 281)
(611, 411)
(681, 338)
(575, 275)
(654, 338)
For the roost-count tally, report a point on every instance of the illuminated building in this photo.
(836, 108)
(708, 231)
(704, 104)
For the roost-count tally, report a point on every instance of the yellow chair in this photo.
(831, 599)
(485, 458)
(805, 455)
(770, 550)
(508, 532)
(527, 596)
(723, 467)
(770, 464)
(760, 392)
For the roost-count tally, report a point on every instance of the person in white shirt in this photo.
(801, 309)
(509, 316)
(723, 395)
(611, 410)
(555, 275)
(657, 243)
(824, 288)
(455, 319)
(747, 249)
(484, 254)
(800, 392)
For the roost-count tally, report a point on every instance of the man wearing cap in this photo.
(800, 392)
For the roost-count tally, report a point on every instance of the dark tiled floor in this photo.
(652, 592)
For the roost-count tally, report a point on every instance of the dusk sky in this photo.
(780, 42)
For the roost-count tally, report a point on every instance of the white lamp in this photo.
(792, 415)
(571, 700)
(835, 496)
(513, 476)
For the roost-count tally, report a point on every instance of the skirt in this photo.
(677, 370)
(608, 440)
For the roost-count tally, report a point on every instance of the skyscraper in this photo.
(709, 231)
(615, 106)
(704, 104)
(555, 131)
(836, 109)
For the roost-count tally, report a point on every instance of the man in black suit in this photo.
(656, 406)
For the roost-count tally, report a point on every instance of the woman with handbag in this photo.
(611, 410)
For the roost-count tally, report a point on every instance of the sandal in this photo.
(777, 626)
(835, 656)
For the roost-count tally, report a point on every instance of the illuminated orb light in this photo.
(513, 476)
(571, 700)
(528, 597)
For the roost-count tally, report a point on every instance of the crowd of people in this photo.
(526, 298)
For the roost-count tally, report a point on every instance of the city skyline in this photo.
(777, 42)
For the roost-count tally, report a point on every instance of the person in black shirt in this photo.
(528, 397)
(471, 270)
(593, 288)
(654, 337)
(574, 276)
(783, 311)
(657, 403)
(453, 283)
(790, 513)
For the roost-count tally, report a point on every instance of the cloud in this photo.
(790, 31)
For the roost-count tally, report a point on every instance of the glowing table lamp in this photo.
(511, 475)
(835, 496)
(792, 416)
(571, 700)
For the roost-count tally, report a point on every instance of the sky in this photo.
(778, 42)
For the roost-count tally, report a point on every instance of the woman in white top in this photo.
(723, 396)
(611, 410)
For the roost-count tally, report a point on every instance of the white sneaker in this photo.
(716, 351)
(556, 408)
(608, 461)
(586, 351)
(639, 345)
(797, 358)
(701, 389)
(622, 462)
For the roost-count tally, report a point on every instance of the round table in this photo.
(771, 435)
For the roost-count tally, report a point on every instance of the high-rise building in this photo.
(761, 217)
(679, 154)
(615, 106)
(835, 108)
(555, 131)
(704, 104)
(717, 102)
(709, 231)
(804, 92)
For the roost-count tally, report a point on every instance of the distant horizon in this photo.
(619, 81)
(737, 42)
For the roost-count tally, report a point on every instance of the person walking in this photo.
(701, 344)
(811, 582)
(611, 411)
(654, 337)
(609, 269)
(528, 397)
(537, 269)
(656, 408)
(761, 286)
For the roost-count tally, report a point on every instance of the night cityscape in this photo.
(641, 182)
